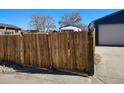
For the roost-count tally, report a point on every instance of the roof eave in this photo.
(99, 19)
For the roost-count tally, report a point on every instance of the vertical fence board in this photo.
(62, 50)
(26, 49)
(72, 50)
(2, 47)
(44, 51)
(81, 50)
(54, 49)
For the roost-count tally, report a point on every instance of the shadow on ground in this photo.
(35, 70)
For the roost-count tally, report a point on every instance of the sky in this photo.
(21, 17)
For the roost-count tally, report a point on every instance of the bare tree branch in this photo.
(41, 23)
(73, 19)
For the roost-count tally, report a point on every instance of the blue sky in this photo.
(21, 17)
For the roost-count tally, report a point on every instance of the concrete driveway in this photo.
(24, 78)
(111, 67)
(109, 70)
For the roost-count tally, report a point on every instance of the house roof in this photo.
(9, 26)
(70, 28)
(112, 14)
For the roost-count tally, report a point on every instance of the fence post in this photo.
(91, 53)
(50, 49)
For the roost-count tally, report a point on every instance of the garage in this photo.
(112, 34)
(110, 29)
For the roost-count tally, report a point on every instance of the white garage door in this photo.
(111, 34)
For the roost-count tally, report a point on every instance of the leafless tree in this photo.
(83, 27)
(50, 26)
(73, 19)
(42, 23)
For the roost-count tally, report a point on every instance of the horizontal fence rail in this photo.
(55, 50)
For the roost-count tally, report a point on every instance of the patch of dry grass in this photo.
(4, 69)
(97, 59)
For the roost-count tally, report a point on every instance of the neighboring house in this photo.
(9, 29)
(110, 29)
(70, 28)
(32, 31)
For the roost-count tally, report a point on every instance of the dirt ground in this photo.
(109, 69)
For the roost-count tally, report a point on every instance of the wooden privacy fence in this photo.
(58, 50)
